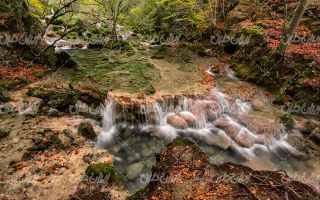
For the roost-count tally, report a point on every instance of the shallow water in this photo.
(133, 143)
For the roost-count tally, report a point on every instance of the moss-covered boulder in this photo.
(88, 92)
(86, 130)
(54, 98)
(104, 170)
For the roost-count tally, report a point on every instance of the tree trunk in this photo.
(289, 30)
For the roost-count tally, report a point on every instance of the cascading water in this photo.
(211, 122)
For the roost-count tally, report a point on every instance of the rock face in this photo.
(86, 130)
(134, 170)
(177, 122)
(188, 171)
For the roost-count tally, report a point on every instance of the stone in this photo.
(103, 171)
(188, 117)
(86, 130)
(262, 125)
(258, 105)
(53, 112)
(134, 170)
(218, 139)
(177, 122)
(4, 133)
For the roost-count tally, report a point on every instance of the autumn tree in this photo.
(288, 33)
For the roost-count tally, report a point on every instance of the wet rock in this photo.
(188, 117)
(218, 139)
(53, 112)
(134, 170)
(261, 125)
(86, 130)
(4, 133)
(177, 122)
(258, 105)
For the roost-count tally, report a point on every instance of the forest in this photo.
(159, 99)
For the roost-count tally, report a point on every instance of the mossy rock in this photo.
(89, 93)
(4, 133)
(287, 121)
(55, 99)
(86, 130)
(104, 170)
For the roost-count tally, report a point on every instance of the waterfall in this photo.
(108, 130)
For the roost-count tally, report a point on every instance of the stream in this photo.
(212, 122)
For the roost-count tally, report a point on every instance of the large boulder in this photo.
(262, 125)
(188, 117)
(177, 122)
(218, 139)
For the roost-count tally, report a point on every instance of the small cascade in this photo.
(135, 133)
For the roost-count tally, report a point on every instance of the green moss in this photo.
(246, 72)
(55, 141)
(105, 170)
(86, 130)
(258, 23)
(253, 31)
(184, 141)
